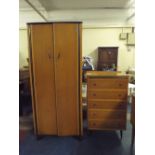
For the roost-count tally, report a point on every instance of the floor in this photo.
(95, 143)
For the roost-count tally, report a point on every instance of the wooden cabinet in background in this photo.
(107, 101)
(107, 58)
(55, 67)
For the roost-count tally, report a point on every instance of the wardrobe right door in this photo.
(67, 70)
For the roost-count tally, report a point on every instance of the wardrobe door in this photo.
(42, 67)
(66, 51)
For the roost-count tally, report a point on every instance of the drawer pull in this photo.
(120, 84)
(94, 104)
(119, 95)
(94, 94)
(94, 114)
(94, 124)
(94, 84)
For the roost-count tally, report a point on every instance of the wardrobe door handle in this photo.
(58, 57)
(49, 55)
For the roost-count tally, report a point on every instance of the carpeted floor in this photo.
(98, 143)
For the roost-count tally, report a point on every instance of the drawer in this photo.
(106, 114)
(107, 104)
(107, 94)
(107, 124)
(108, 83)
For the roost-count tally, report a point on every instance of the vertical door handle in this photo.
(58, 56)
(49, 55)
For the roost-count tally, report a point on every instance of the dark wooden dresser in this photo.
(107, 58)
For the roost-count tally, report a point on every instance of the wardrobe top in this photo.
(79, 22)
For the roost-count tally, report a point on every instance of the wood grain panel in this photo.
(106, 124)
(31, 80)
(67, 78)
(43, 74)
(106, 114)
(110, 83)
(107, 94)
(107, 104)
(80, 76)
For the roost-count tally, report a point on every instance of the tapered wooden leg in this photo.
(121, 133)
(133, 135)
(79, 138)
(89, 132)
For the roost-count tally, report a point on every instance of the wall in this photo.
(95, 37)
(23, 47)
(91, 40)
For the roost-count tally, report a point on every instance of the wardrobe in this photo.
(55, 58)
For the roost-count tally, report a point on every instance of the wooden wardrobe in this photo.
(55, 70)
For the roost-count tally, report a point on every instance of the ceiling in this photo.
(84, 4)
(113, 10)
(50, 5)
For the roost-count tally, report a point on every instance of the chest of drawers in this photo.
(107, 101)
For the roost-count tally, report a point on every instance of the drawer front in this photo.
(107, 94)
(108, 83)
(106, 114)
(107, 104)
(107, 124)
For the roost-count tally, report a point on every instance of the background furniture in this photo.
(25, 105)
(107, 58)
(131, 74)
(107, 100)
(133, 119)
(56, 77)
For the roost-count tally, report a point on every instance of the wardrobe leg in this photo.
(79, 138)
(39, 137)
(121, 133)
(89, 132)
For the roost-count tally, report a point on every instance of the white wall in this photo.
(23, 47)
(92, 38)
(95, 37)
(29, 16)
(100, 28)
(94, 18)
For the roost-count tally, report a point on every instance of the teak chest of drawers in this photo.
(107, 100)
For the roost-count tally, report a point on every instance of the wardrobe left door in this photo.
(42, 75)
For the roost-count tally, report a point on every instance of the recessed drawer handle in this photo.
(94, 84)
(94, 104)
(94, 114)
(119, 95)
(120, 84)
(94, 124)
(94, 94)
